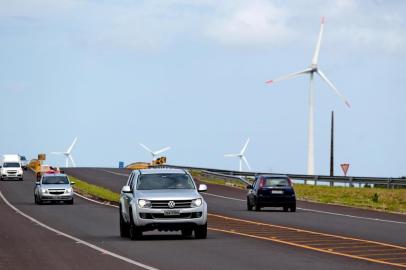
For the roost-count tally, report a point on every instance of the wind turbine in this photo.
(154, 153)
(67, 154)
(241, 156)
(311, 70)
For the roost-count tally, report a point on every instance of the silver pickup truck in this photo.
(163, 200)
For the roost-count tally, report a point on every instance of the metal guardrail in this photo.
(389, 182)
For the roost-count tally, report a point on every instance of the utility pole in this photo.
(332, 148)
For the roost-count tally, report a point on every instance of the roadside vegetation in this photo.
(94, 191)
(388, 200)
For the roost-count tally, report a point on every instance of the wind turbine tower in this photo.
(311, 70)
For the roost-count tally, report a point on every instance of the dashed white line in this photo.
(77, 240)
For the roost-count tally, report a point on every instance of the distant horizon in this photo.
(191, 75)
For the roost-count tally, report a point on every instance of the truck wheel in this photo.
(135, 231)
(201, 231)
(124, 229)
(70, 201)
(21, 179)
(186, 233)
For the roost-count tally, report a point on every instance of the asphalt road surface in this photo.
(95, 241)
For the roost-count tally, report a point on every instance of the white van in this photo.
(10, 167)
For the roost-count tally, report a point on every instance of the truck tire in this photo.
(186, 233)
(135, 231)
(201, 231)
(124, 228)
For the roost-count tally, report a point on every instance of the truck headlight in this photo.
(69, 190)
(197, 202)
(44, 190)
(144, 203)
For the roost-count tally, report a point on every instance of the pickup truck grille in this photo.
(164, 204)
(11, 172)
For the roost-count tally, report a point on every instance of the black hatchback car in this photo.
(271, 191)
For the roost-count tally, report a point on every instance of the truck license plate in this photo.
(171, 212)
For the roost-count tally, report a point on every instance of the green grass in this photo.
(390, 200)
(87, 189)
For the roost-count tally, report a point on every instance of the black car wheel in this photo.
(293, 208)
(257, 206)
(249, 206)
(285, 209)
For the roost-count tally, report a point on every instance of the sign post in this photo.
(345, 167)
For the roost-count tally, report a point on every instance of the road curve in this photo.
(98, 225)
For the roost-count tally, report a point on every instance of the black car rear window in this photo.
(55, 180)
(276, 182)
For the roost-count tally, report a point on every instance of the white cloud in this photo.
(356, 25)
(250, 23)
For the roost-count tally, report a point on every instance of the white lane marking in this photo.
(116, 173)
(319, 211)
(77, 240)
(94, 201)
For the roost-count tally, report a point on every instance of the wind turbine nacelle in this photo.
(42, 157)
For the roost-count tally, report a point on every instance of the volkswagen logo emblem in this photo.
(171, 204)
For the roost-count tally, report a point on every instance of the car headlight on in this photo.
(44, 190)
(197, 202)
(144, 203)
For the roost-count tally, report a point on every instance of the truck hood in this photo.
(168, 194)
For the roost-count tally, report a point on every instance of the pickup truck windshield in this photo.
(164, 181)
(55, 180)
(11, 165)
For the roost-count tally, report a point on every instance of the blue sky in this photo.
(190, 75)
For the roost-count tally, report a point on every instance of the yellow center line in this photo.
(311, 248)
(306, 231)
(230, 225)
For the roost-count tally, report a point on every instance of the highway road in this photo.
(87, 236)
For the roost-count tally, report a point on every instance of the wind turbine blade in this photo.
(146, 148)
(72, 161)
(290, 76)
(71, 146)
(231, 155)
(246, 162)
(57, 153)
(321, 74)
(245, 146)
(162, 150)
(317, 50)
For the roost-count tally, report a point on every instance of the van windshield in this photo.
(55, 180)
(165, 181)
(11, 165)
